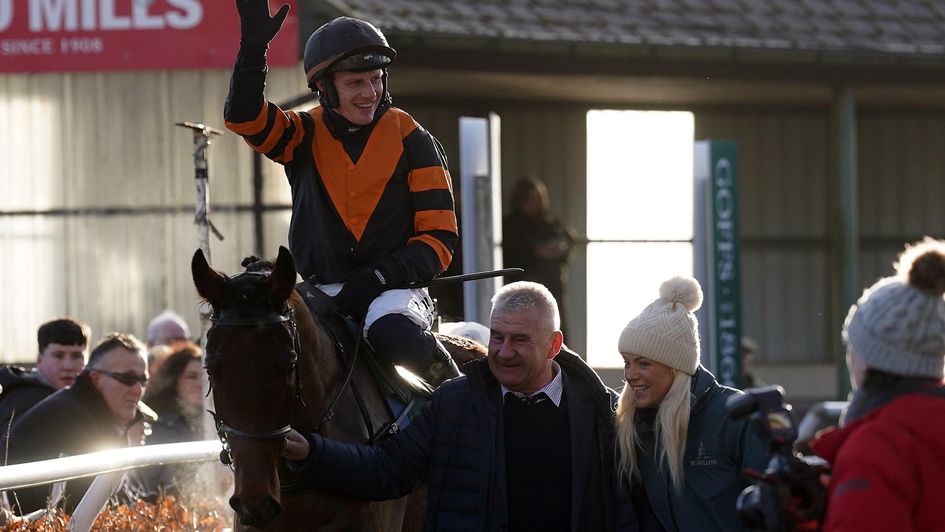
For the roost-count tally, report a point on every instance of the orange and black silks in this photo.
(389, 206)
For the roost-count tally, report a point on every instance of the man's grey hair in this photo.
(522, 296)
(114, 340)
(157, 329)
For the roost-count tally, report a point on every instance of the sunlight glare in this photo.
(639, 187)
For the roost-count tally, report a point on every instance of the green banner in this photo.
(724, 294)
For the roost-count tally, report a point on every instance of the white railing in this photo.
(107, 465)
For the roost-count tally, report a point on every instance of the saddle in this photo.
(404, 397)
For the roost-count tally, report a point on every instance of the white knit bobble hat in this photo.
(898, 324)
(667, 331)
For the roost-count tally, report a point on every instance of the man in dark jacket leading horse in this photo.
(523, 441)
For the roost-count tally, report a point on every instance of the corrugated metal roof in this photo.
(897, 27)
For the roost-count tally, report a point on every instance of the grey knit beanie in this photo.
(667, 331)
(898, 324)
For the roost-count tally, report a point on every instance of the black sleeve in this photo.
(263, 125)
(389, 471)
(247, 86)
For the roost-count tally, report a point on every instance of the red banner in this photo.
(76, 35)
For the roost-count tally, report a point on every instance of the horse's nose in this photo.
(258, 515)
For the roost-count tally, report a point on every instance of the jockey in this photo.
(372, 202)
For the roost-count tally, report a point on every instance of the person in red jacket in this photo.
(888, 457)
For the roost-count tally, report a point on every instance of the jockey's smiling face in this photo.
(359, 94)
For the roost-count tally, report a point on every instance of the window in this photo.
(639, 217)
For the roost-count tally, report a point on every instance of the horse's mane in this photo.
(255, 264)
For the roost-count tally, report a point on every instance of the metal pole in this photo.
(258, 204)
(202, 134)
(848, 248)
(202, 140)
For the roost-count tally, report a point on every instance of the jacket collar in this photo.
(703, 384)
(478, 371)
(868, 399)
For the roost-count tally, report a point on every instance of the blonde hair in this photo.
(671, 426)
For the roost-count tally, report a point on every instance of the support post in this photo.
(846, 278)
(202, 140)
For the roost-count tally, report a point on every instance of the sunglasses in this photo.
(128, 379)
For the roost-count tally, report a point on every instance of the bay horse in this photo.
(274, 366)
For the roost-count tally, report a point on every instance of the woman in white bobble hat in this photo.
(888, 458)
(674, 434)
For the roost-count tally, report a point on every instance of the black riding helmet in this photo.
(345, 43)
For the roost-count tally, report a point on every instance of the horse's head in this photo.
(252, 358)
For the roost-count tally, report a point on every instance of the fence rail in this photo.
(86, 465)
(107, 467)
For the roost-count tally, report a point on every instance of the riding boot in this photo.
(399, 341)
(442, 368)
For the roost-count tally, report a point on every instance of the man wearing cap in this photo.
(372, 202)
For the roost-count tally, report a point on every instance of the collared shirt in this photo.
(553, 389)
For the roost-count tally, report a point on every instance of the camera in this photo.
(788, 495)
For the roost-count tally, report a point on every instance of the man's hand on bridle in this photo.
(296, 447)
(257, 28)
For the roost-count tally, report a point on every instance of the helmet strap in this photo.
(329, 96)
(386, 96)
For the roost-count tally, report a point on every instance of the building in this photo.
(836, 106)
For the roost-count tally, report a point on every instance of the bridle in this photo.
(225, 430)
(285, 316)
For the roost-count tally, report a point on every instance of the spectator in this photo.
(91, 415)
(157, 354)
(168, 328)
(673, 431)
(372, 203)
(538, 242)
(472, 330)
(747, 349)
(523, 441)
(63, 347)
(888, 456)
(176, 394)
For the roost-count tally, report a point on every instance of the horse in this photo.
(273, 366)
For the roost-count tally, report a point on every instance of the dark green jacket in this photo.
(717, 449)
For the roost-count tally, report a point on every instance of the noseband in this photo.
(224, 430)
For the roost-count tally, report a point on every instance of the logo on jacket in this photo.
(702, 457)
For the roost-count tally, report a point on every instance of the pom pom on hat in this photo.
(667, 331)
(898, 324)
(683, 290)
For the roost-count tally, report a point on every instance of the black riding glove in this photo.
(359, 290)
(257, 28)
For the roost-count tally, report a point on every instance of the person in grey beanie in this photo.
(888, 457)
(674, 435)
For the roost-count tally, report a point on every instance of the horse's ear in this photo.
(209, 283)
(282, 278)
